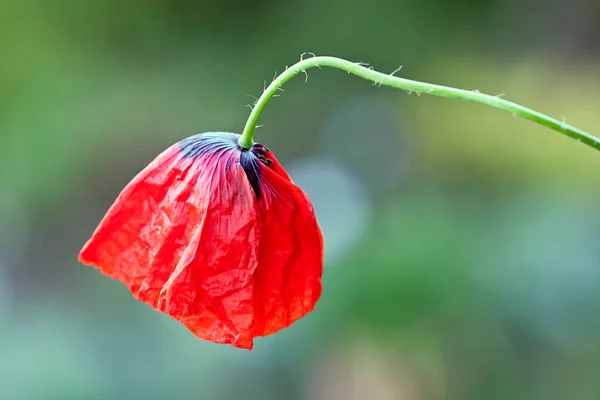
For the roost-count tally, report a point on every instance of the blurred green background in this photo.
(462, 251)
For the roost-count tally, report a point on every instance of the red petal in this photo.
(136, 242)
(290, 264)
(211, 290)
(182, 237)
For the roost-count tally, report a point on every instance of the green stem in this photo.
(246, 139)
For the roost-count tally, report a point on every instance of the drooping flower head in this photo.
(216, 236)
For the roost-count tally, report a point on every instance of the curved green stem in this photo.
(381, 79)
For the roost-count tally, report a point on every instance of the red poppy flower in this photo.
(217, 237)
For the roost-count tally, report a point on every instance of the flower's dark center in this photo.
(220, 142)
(260, 151)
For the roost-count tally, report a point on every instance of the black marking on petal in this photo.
(251, 166)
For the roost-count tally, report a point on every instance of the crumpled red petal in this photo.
(189, 237)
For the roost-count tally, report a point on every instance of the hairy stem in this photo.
(246, 139)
